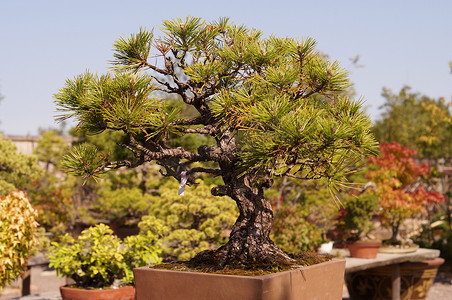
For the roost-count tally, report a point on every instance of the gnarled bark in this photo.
(249, 242)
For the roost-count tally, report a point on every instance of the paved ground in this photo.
(45, 286)
(44, 283)
(438, 291)
(441, 289)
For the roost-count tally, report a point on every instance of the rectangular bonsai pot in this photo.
(320, 281)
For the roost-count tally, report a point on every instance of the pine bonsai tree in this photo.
(273, 106)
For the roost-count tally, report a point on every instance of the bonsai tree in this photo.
(358, 216)
(98, 257)
(400, 190)
(273, 107)
(17, 235)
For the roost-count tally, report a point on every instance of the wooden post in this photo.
(26, 282)
(396, 282)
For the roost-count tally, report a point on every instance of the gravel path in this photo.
(441, 288)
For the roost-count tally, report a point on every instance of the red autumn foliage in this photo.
(399, 180)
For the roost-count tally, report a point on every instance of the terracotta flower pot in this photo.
(123, 293)
(415, 281)
(320, 281)
(364, 249)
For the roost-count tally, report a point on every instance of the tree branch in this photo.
(306, 177)
(214, 172)
(205, 130)
(200, 120)
(154, 68)
(162, 153)
(221, 190)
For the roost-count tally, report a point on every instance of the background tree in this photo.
(417, 122)
(399, 180)
(121, 198)
(50, 149)
(436, 136)
(293, 232)
(51, 193)
(271, 106)
(17, 170)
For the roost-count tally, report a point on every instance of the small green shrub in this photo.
(359, 212)
(190, 223)
(17, 235)
(293, 233)
(97, 258)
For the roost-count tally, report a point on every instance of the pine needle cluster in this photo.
(282, 102)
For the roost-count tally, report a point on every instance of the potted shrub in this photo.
(17, 235)
(267, 107)
(100, 263)
(400, 189)
(358, 223)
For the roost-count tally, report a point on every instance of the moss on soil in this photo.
(301, 259)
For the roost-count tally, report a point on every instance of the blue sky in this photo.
(45, 42)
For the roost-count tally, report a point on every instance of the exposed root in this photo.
(208, 262)
(230, 256)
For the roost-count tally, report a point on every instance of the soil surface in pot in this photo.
(301, 259)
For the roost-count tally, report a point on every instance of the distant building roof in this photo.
(27, 143)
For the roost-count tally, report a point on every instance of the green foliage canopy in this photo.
(98, 257)
(359, 212)
(293, 232)
(16, 170)
(50, 148)
(271, 107)
(191, 223)
(261, 88)
(51, 194)
(416, 121)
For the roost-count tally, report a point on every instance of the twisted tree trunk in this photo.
(249, 242)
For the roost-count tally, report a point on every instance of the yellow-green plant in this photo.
(359, 212)
(17, 235)
(190, 223)
(98, 257)
(17, 170)
(293, 233)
